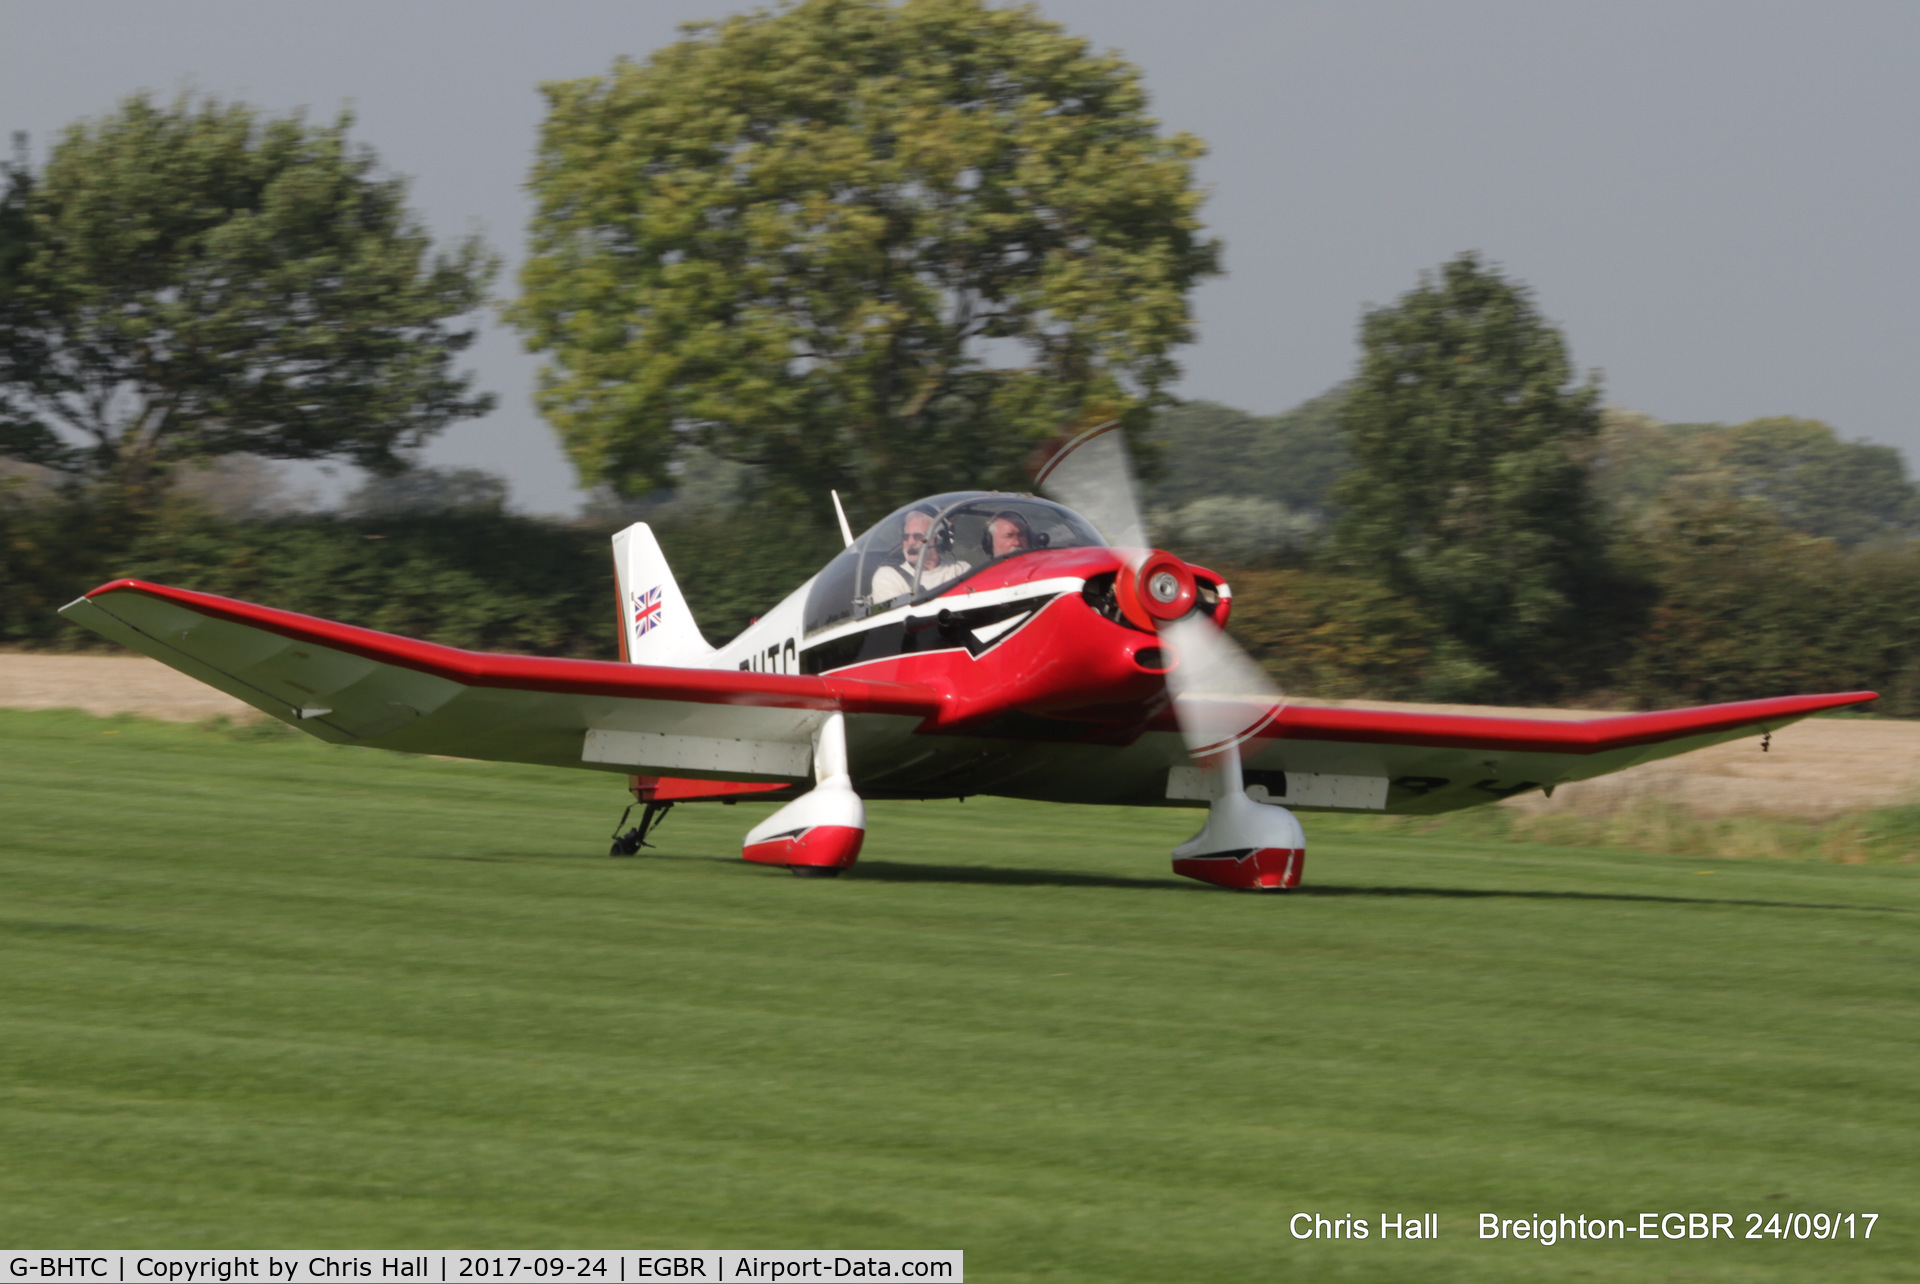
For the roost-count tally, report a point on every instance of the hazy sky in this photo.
(1716, 201)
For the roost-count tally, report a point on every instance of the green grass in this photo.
(1881, 834)
(259, 991)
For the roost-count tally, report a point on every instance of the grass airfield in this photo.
(262, 992)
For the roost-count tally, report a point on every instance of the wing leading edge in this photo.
(1409, 761)
(352, 685)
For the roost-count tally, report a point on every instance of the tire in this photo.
(816, 871)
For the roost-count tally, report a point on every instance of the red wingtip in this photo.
(111, 585)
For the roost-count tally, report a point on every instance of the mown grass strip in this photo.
(264, 991)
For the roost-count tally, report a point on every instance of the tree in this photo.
(16, 239)
(194, 280)
(1851, 491)
(1469, 493)
(1339, 636)
(421, 492)
(1749, 607)
(1799, 470)
(1209, 450)
(880, 248)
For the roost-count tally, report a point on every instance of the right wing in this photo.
(1414, 761)
(351, 685)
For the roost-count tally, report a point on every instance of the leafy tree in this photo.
(1325, 634)
(1799, 470)
(1637, 458)
(16, 239)
(420, 492)
(1241, 489)
(882, 248)
(1850, 491)
(1209, 450)
(1242, 530)
(1469, 492)
(1846, 490)
(238, 488)
(1749, 607)
(15, 232)
(194, 280)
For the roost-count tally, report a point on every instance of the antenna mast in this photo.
(846, 531)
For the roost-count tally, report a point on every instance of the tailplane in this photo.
(655, 625)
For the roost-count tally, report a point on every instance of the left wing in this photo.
(357, 686)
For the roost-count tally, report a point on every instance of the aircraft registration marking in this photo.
(781, 657)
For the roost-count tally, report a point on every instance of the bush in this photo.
(1749, 608)
(1344, 637)
(488, 581)
(474, 578)
(52, 549)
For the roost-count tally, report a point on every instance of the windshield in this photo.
(921, 549)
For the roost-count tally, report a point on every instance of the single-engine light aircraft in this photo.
(970, 643)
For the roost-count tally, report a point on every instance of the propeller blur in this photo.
(1220, 696)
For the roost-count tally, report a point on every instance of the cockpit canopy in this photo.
(926, 547)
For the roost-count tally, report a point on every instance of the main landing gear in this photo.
(634, 839)
(818, 834)
(1250, 846)
(1245, 845)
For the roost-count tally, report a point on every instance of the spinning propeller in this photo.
(1220, 696)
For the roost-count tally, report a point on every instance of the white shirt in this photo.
(890, 582)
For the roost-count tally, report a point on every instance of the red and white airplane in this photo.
(972, 643)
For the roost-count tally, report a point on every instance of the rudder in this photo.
(655, 625)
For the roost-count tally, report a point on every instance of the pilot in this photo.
(1006, 534)
(919, 548)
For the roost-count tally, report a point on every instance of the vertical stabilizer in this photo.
(655, 625)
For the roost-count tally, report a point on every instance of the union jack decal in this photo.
(646, 611)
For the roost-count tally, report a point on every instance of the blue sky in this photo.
(1716, 201)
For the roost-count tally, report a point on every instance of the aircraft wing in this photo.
(351, 685)
(1410, 761)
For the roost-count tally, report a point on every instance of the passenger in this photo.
(919, 550)
(1006, 534)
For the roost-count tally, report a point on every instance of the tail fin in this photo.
(655, 625)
